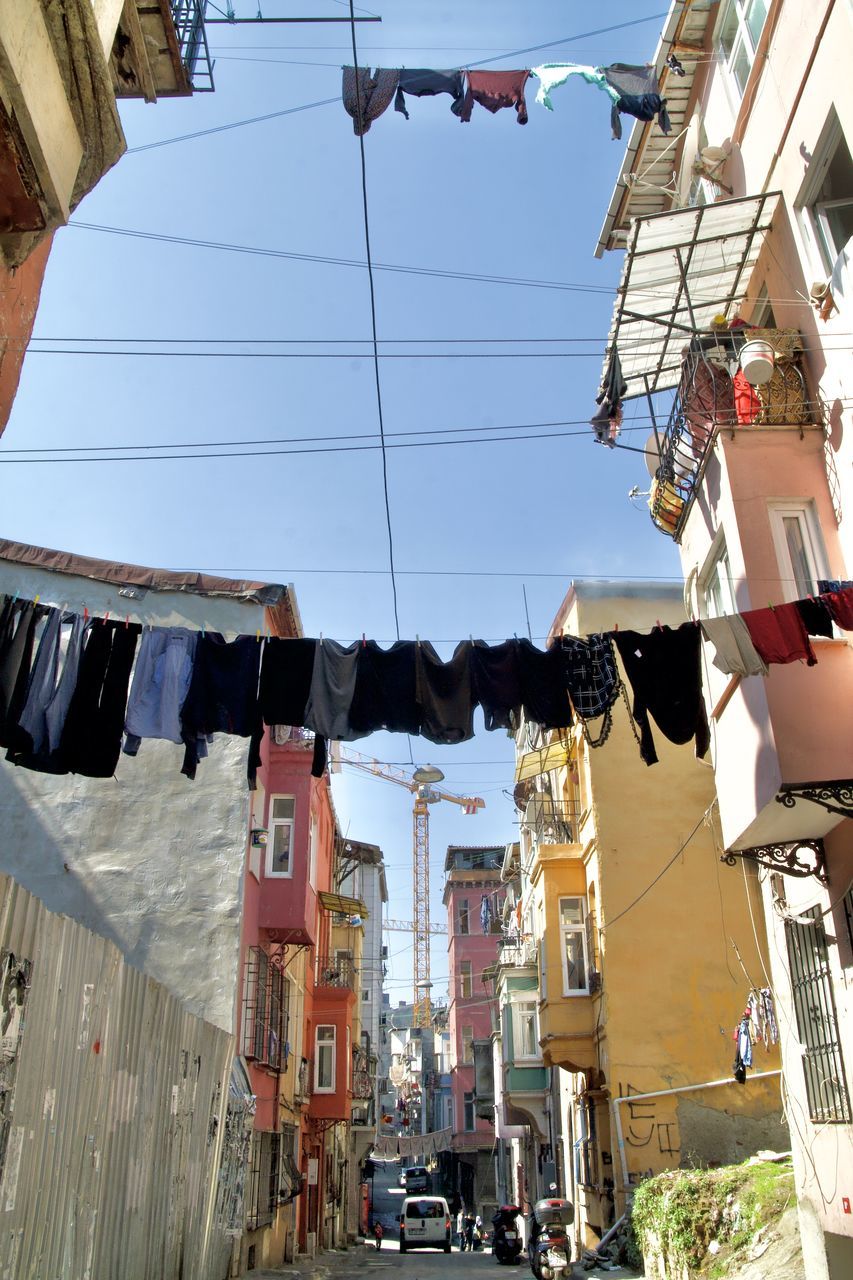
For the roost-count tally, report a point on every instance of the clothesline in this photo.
(76, 692)
(631, 90)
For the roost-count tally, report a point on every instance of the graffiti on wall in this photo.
(646, 1126)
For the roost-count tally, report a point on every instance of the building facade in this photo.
(756, 491)
(473, 896)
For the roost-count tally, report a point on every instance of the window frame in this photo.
(822, 251)
(743, 40)
(467, 1043)
(710, 575)
(804, 509)
(468, 1107)
(328, 1043)
(274, 823)
(516, 1007)
(463, 916)
(816, 1016)
(578, 930)
(466, 979)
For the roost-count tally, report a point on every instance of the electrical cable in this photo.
(374, 327)
(235, 124)
(662, 872)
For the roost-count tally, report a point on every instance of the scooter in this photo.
(548, 1248)
(506, 1240)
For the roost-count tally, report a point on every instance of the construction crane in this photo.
(422, 785)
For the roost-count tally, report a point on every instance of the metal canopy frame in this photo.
(696, 261)
(799, 858)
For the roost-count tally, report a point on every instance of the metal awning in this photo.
(532, 763)
(343, 905)
(681, 269)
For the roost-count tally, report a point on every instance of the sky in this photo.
(487, 532)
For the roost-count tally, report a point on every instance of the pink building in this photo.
(473, 895)
(746, 212)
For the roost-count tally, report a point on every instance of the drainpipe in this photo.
(665, 1093)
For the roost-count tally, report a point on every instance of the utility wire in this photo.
(374, 328)
(226, 247)
(663, 870)
(235, 124)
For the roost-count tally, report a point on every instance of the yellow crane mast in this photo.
(422, 785)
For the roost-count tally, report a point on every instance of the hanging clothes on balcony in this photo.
(664, 668)
(17, 636)
(496, 683)
(736, 654)
(486, 913)
(444, 693)
(779, 634)
(367, 94)
(330, 697)
(840, 605)
(553, 74)
(607, 420)
(639, 96)
(816, 616)
(545, 694)
(592, 678)
(426, 83)
(495, 90)
(286, 672)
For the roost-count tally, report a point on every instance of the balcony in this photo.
(552, 822)
(712, 394)
(337, 972)
(516, 953)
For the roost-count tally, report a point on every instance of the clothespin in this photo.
(363, 641)
(615, 626)
(85, 614)
(37, 599)
(769, 605)
(258, 635)
(126, 621)
(658, 625)
(321, 639)
(106, 616)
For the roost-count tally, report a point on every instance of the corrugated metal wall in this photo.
(117, 1114)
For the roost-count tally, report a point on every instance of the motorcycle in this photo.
(506, 1240)
(549, 1248)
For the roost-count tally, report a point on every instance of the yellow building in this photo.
(647, 949)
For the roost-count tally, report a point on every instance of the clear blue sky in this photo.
(487, 197)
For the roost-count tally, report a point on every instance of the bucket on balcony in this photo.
(756, 361)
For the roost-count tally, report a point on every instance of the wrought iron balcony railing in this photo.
(335, 971)
(713, 394)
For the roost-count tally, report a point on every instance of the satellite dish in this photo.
(651, 455)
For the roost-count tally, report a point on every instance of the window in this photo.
(365, 995)
(467, 1045)
(468, 1112)
(826, 197)
(738, 34)
(464, 916)
(799, 548)
(716, 585)
(762, 312)
(466, 979)
(573, 945)
(265, 1014)
(313, 838)
(817, 1022)
(280, 839)
(262, 1192)
(525, 1035)
(324, 1060)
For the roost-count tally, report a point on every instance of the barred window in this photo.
(817, 1021)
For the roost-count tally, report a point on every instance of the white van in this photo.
(425, 1223)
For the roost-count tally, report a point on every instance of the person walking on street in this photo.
(470, 1223)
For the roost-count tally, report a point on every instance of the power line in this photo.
(227, 247)
(584, 35)
(235, 124)
(374, 328)
(663, 870)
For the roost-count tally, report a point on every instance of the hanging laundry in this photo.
(816, 616)
(161, 681)
(91, 737)
(494, 90)
(367, 94)
(591, 673)
(553, 74)
(767, 1015)
(223, 698)
(18, 620)
(544, 692)
(840, 605)
(486, 913)
(736, 654)
(639, 95)
(385, 694)
(743, 1051)
(664, 668)
(425, 83)
(332, 687)
(608, 418)
(779, 634)
(832, 584)
(49, 695)
(286, 670)
(496, 683)
(444, 693)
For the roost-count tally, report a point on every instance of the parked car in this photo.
(425, 1223)
(416, 1178)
